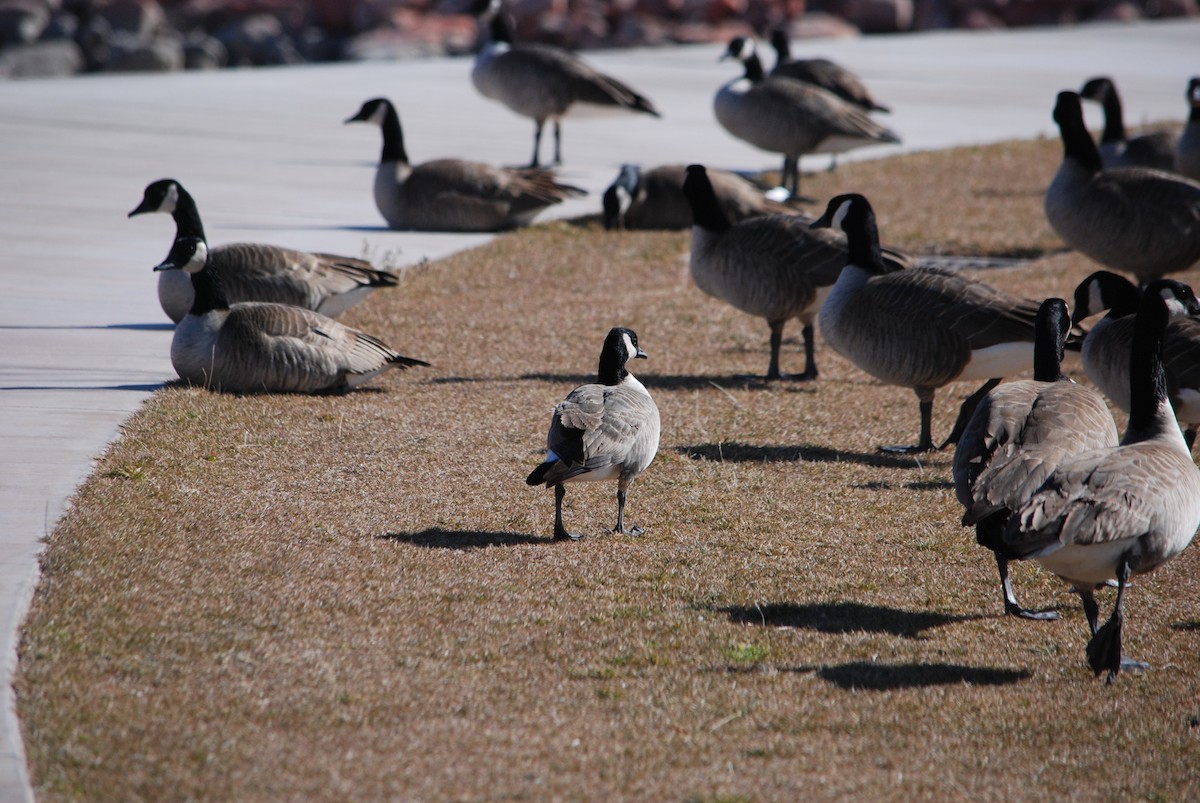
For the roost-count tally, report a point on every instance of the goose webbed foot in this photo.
(563, 535)
(560, 532)
(1104, 650)
(1014, 609)
(919, 448)
(634, 530)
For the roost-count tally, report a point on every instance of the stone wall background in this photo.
(63, 37)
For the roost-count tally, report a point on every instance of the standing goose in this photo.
(920, 328)
(1105, 514)
(453, 194)
(1155, 150)
(774, 267)
(654, 199)
(783, 115)
(1105, 350)
(604, 431)
(257, 347)
(541, 81)
(1187, 150)
(1018, 434)
(823, 73)
(1140, 221)
(326, 283)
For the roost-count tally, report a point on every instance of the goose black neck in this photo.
(208, 293)
(754, 69)
(500, 29)
(612, 368)
(1147, 379)
(1077, 142)
(393, 137)
(706, 212)
(1126, 302)
(783, 48)
(186, 215)
(1114, 119)
(1194, 114)
(1050, 327)
(862, 241)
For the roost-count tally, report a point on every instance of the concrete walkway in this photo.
(82, 338)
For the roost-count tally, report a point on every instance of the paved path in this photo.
(83, 341)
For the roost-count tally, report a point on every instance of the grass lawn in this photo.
(285, 598)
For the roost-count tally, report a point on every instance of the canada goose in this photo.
(654, 199)
(1104, 514)
(603, 431)
(326, 283)
(1018, 434)
(1105, 350)
(773, 266)
(256, 346)
(823, 73)
(783, 115)
(541, 81)
(920, 328)
(1187, 149)
(1131, 219)
(1155, 150)
(453, 194)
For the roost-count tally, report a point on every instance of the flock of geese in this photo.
(1038, 467)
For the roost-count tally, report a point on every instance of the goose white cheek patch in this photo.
(198, 259)
(840, 214)
(170, 200)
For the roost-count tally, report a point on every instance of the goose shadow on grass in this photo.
(891, 677)
(844, 617)
(736, 452)
(668, 382)
(1188, 627)
(437, 538)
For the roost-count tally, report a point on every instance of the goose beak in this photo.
(641, 355)
(166, 265)
(140, 209)
(823, 222)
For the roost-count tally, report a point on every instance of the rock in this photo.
(50, 59)
(819, 25)
(141, 18)
(1172, 8)
(258, 40)
(22, 21)
(63, 25)
(1120, 11)
(875, 16)
(129, 53)
(203, 52)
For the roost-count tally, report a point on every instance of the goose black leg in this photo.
(620, 528)
(1090, 609)
(537, 142)
(926, 442)
(557, 143)
(1104, 650)
(967, 410)
(560, 532)
(1011, 606)
(773, 372)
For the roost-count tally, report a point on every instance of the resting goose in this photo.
(261, 347)
(1137, 220)
(326, 283)
(783, 115)
(541, 81)
(654, 199)
(603, 431)
(453, 194)
(1109, 513)
(1155, 150)
(823, 73)
(774, 266)
(1018, 434)
(1105, 350)
(1187, 149)
(920, 328)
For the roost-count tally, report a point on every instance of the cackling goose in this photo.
(1108, 513)
(1156, 149)
(453, 194)
(603, 431)
(654, 199)
(326, 283)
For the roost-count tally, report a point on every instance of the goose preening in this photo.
(543, 82)
(603, 431)
(1105, 351)
(262, 347)
(774, 266)
(1155, 150)
(453, 194)
(654, 199)
(1137, 220)
(823, 73)
(1108, 513)
(1018, 434)
(326, 283)
(920, 328)
(783, 115)
(1187, 149)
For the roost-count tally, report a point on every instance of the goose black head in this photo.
(619, 196)
(740, 48)
(159, 196)
(1097, 89)
(843, 211)
(1178, 297)
(620, 346)
(1051, 326)
(779, 41)
(188, 254)
(1193, 93)
(1105, 290)
(373, 111)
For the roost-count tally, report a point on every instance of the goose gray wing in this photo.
(598, 427)
(1148, 200)
(831, 77)
(1181, 354)
(257, 272)
(560, 78)
(454, 181)
(815, 109)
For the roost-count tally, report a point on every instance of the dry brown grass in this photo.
(268, 598)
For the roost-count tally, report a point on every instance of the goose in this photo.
(326, 283)
(257, 347)
(783, 115)
(1018, 434)
(823, 73)
(543, 82)
(1109, 513)
(654, 199)
(453, 194)
(920, 328)
(1137, 220)
(1187, 149)
(608, 430)
(774, 266)
(1105, 351)
(1156, 149)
